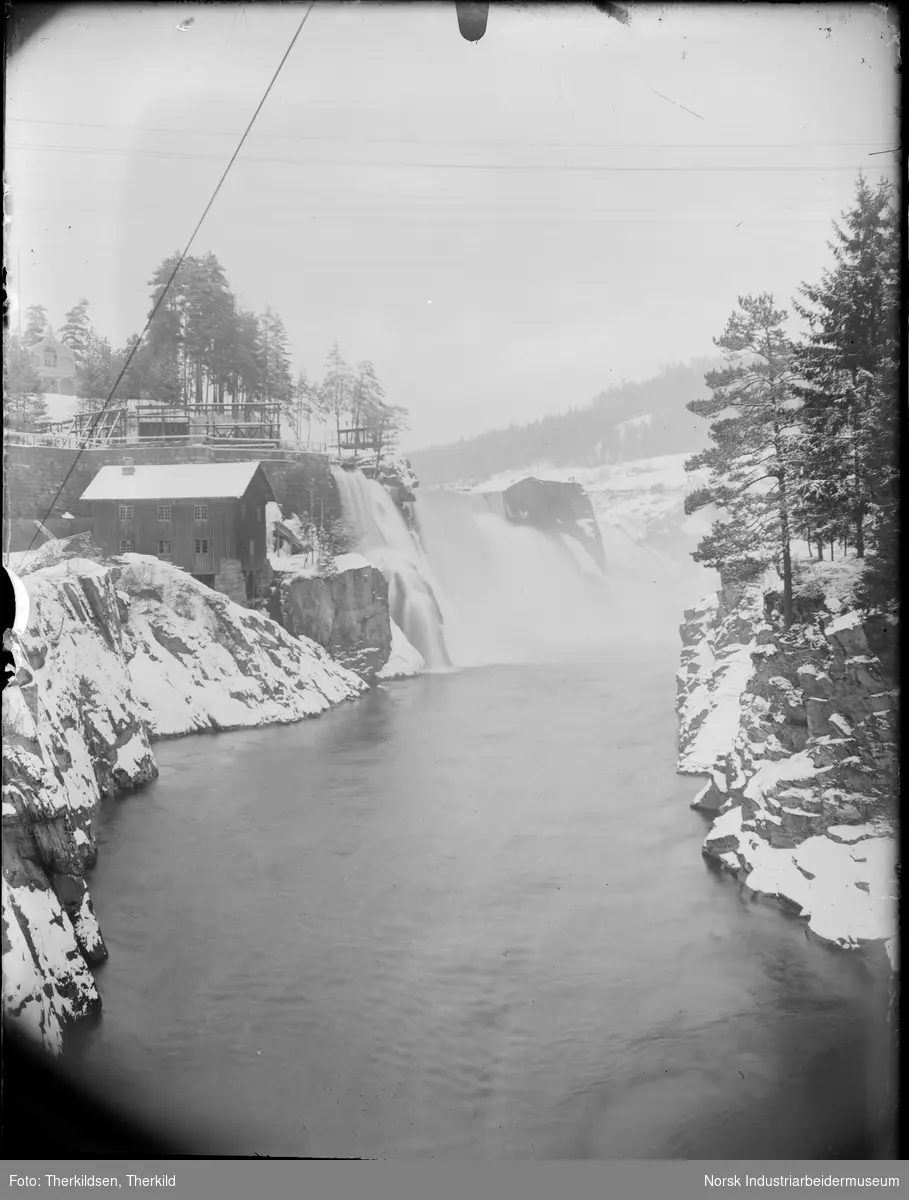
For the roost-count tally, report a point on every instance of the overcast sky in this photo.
(505, 228)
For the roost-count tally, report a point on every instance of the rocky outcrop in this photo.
(795, 733)
(345, 611)
(557, 507)
(72, 734)
(199, 662)
(114, 655)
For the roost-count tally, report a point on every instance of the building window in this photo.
(50, 358)
(201, 545)
(164, 512)
(200, 512)
(126, 512)
(126, 546)
(164, 547)
(258, 514)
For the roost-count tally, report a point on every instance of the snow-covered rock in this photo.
(72, 733)
(198, 661)
(795, 732)
(114, 655)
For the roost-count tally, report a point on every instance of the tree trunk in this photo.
(785, 535)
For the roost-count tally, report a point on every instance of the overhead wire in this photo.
(327, 137)
(422, 165)
(173, 274)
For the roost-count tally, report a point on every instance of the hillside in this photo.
(629, 421)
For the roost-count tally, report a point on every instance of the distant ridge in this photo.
(630, 420)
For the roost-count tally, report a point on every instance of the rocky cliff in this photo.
(345, 609)
(795, 732)
(114, 655)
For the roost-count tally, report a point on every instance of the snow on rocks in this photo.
(198, 661)
(800, 766)
(114, 655)
(46, 982)
(716, 668)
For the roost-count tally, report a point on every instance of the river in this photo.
(466, 916)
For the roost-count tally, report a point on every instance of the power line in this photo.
(442, 166)
(328, 137)
(173, 274)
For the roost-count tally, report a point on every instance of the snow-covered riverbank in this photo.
(114, 656)
(795, 732)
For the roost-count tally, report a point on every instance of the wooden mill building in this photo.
(207, 518)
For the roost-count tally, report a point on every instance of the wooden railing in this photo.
(75, 441)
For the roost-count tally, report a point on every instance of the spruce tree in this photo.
(847, 376)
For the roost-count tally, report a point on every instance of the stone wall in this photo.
(231, 581)
(33, 474)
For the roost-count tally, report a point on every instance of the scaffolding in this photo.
(256, 424)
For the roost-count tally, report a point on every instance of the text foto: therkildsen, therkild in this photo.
(93, 1181)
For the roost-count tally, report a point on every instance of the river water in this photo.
(465, 916)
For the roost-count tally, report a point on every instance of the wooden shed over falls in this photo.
(207, 518)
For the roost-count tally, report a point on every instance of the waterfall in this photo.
(470, 588)
(511, 593)
(384, 538)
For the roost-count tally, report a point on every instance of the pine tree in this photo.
(136, 383)
(95, 373)
(336, 389)
(76, 331)
(277, 381)
(166, 335)
(387, 422)
(304, 406)
(36, 324)
(244, 361)
(750, 462)
(24, 407)
(367, 397)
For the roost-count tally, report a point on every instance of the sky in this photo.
(504, 228)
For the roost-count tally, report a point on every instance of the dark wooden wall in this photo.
(234, 529)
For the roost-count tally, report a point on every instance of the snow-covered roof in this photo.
(181, 481)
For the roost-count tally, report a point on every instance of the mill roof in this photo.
(176, 481)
